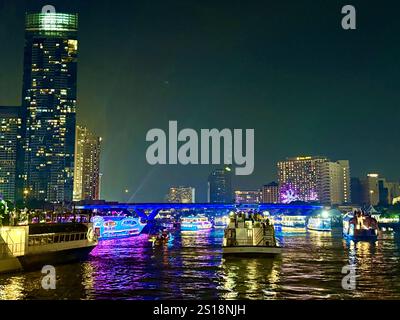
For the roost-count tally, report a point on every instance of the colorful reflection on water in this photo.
(192, 267)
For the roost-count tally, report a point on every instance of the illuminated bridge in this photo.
(149, 211)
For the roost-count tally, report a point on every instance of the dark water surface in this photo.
(192, 267)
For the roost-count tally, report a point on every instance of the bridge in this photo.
(149, 211)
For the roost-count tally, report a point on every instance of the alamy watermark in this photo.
(189, 152)
(49, 279)
(349, 281)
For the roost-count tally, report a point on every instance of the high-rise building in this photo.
(314, 179)
(270, 193)
(357, 193)
(87, 165)
(335, 182)
(371, 189)
(299, 178)
(181, 195)
(220, 186)
(393, 190)
(49, 101)
(10, 150)
(388, 191)
(249, 197)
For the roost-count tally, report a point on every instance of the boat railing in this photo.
(50, 238)
(11, 249)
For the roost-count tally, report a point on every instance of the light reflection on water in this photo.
(192, 267)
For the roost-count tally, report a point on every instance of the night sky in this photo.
(285, 68)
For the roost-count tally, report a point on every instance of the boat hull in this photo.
(362, 235)
(251, 250)
(38, 260)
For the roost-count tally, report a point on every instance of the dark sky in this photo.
(285, 68)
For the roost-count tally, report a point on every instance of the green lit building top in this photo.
(51, 22)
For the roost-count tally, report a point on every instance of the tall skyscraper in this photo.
(181, 195)
(49, 101)
(87, 165)
(249, 196)
(270, 193)
(314, 179)
(10, 150)
(299, 178)
(220, 186)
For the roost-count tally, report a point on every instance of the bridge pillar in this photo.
(141, 213)
(149, 217)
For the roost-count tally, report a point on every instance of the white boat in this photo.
(321, 222)
(195, 223)
(250, 236)
(221, 222)
(290, 221)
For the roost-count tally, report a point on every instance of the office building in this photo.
(248, 197)
(181, 195)
(220, 186)
(49, 101)
(10, 150)
(270, 193)
(87, 165)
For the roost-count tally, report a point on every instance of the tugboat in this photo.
(249, 235)
(360, 226)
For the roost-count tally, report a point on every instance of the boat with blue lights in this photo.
(107, 227)
(250, 235)
(221, 222)
(290, 221)
(360, 226)
(321, 222)
(195, 223)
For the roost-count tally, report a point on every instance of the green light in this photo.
(51, 22)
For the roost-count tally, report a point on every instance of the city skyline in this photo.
(316, 121)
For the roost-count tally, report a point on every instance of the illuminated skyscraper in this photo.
(220, 186)
(10, 144)
(49, 100)
(87, 165)
(299, 178)
(314, 179)
(181, 195)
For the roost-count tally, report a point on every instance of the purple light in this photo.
(288, 194)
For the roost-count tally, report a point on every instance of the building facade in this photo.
(335, 181)
(181, 195)
(10, 150)
(299, 179)
(87, 165)
(220, 186)
(371, 189)
(249, 197)
(314, 179)
(270, 193)
(49, 101)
